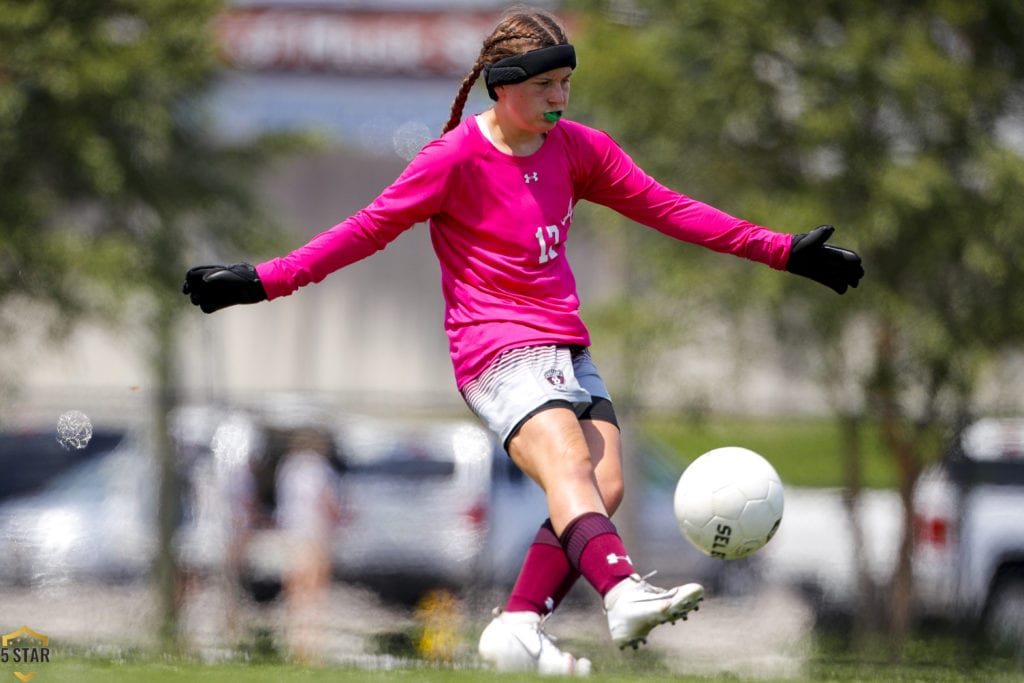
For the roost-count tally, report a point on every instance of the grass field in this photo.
(804, 451)
(936, 657)
(105, 671)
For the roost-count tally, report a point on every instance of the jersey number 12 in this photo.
(547, 250)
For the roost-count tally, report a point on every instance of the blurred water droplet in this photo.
(410, 137)
(74, 430)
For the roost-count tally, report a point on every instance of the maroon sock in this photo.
(595, 549)
(546, 576)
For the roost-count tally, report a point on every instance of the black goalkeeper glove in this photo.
(212, 288)
(833, 267)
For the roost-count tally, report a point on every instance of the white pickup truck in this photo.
(969, 531)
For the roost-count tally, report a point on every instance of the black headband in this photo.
(527, 65)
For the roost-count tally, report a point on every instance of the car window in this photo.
(990, 451)
(994, 439)
(31, 459)
(405, 468)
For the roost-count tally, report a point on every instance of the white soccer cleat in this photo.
(516, 641)
(634, 607)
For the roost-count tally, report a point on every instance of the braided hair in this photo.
(520, 30)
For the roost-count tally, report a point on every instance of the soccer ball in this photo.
(728, 502)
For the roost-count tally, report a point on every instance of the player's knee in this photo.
(612, 493)
(575, 465)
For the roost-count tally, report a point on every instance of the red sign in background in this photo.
(352, 42)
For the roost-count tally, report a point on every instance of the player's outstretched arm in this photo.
(834, 267)
(215, 287)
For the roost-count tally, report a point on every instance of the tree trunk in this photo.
(902, 446)
(868, 619)
(901, 589)
(169, 494)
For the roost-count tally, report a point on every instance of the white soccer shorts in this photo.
(522, 380)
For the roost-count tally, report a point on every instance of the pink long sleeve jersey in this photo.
(499, 225)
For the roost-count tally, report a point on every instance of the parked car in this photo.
(31, 458)
(438, 503)
(95, 518)
(430, 504)
(815, 554)
(92, 521)
(423, 504)
(969, 534)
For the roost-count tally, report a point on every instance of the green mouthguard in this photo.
(552, 116)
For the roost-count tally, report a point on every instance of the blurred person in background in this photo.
(307, 512)
(244, 516)
(498, 190)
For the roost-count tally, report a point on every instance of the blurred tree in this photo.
(111, 178)
(901, 123)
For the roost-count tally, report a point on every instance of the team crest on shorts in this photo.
(555, 377)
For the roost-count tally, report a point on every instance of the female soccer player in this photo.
(498, 190)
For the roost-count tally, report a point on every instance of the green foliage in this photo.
(900, 123)
(803, 451)
(936, 657)
(109, 172)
